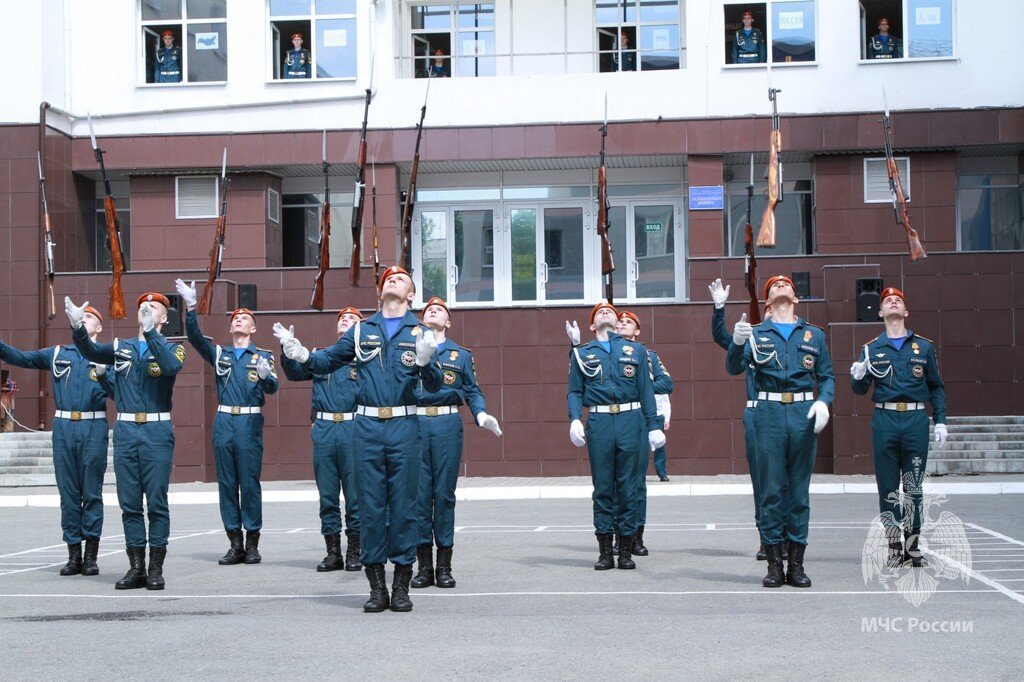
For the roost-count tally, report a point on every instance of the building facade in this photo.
(504, 225)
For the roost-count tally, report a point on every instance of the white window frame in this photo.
(768, 13)
(177, 197)
(906, 42)
(273, 201)
(637, 26)
(409, 33)
(312, 18)
(902, 164)
(183, 23)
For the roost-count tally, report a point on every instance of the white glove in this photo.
(742, 331)
(656, 439)
(263, 367)
(941, 434)
(859, 370)
(148, 316)
(819, 413)
(577, 434)
(75, 313)
(488, 422)
(718, 294)
(99, 369)
(573, 332)
(289, 344)
(426, 344)
(187, 292)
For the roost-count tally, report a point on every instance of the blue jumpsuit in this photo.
(884, 47)
(296, 64)
(749, 48)
(785, 442)
(387, 446)
(441, 442)
(334, 404)
(616, 441)
(168, 65)
(903, 377)
(663, 385)
(143, 436)
(79, 445)
(237, 438)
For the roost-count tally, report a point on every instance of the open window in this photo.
(776, 31)
(452, 40)
(313, 39)
(638, 35)
(906, 29)
(184, 41)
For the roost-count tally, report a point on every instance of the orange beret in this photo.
(168, 33)
(154, 297)
(437, 300)
(241, 311)
(893, 291)
(747, 12)
(394, 270)
(350, 311)
(773, 280)
(90, 309)
(296, 35)
(632, 316)
(602, 304)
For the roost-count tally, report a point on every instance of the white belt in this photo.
(386, 412)
(900, 407)
(786, 397)
(336, 416)
(235, 409)
(751, 403)
(436, 411)
(614, 409)
(143, 417)
(169, 73)
(75, 415)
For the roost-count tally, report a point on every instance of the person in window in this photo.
(628, 56)
(748, 43)
(438, 68)
(883, 45)
(296, 60)
(168, 61)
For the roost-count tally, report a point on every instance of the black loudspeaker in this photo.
(801, 283)
(174, 326)
(247, 296)
(869, 297)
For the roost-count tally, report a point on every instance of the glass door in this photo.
(474, 255)
(563, 264)
(653, 271)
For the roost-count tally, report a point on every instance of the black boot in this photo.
(444, 568)
(604, 557)
(400, 588)
(638, 543)
(615, 544)
(775, 576)
(155, 579)
(352, 555)
(252, 547)
(895, 556)
(236, 553)
(912, 556)
(378, 600)
(425, 564)
(762, 553)
(74, 564)
(92, 550)
(136, 575)
(795, 575)
(333, 560)
(626, 551)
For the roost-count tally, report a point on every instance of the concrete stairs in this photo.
(26, 459)
(980, 445)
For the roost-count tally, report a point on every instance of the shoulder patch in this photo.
(924, 338)
(821, 329)
(179, 353)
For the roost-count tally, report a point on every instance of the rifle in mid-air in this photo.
(217, 252)
(48, 238)
(603, 209)
(405, 259)
(899, 198)
(376, 240)
(324, 253)
(766, 235)
(357, 201)
(750, 260)
(116, 309)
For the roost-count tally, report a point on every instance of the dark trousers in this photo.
(615, 444)
(238, 455)
(143, 455)
(441, 453)
(79, 463)
(785, 445)
(900, 443)
(334, 470)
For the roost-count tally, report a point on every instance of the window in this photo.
(990, 202)
(300, 229)
(637, 35)
(453, 40)
(313, 39)
(780, 31)
(196, 197)
(793, 215)
(273, 206)
(98, 237)
(906, 29)
(184, 41)
(876, 180)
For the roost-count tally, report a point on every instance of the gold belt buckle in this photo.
(141, 417)
(235, 409)
(338, 416)
(613, 409)
(75, 415)
(901, 407)
(432, 411)
(384, 413)
(787, 398)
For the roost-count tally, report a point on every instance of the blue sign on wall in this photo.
(707, 198)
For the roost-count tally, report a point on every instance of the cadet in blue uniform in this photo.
(903, 367)
(79, 440)
(441, 447)
(393, 352)
(791, 358)
(168, 61)
(628, 328)
(609, 376)
(883, 45)
(244, 374)
(297, 61)
(628, 55)
(144, 373)
(333, 414)
(437, 68)
(748, 43)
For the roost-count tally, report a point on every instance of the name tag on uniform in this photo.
(406, 344)
(452, 365)
(810, 349)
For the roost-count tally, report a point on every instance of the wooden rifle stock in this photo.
(750, 274)
(117, 309)
(405, 258)
(213, 272)
(47, 240)
(357, 201)
(325, 256)
(607, 258)
(914, 246)
(766, 234)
